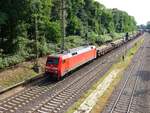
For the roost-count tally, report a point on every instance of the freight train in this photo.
(60, 64)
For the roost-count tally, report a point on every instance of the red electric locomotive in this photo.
(60, 64)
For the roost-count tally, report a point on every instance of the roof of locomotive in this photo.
(74, 51)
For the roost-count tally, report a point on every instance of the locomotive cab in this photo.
(52, 65)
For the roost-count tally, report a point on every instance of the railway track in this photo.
(141, 100)
(123, 98)
(56, 97)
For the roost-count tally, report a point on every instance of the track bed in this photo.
(132, 95)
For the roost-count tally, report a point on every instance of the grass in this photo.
(121, 65)
(16, 76)
(23, 72)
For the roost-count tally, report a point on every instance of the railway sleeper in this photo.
(45, 109)
(49, 107)
(53, 102)
(124, 108)
(31, 94)
(27, 96)
(53, 105)
(13, 104)
(15, 101)
(61, 96)
(58, 100)
(9, 106)
(3, 108)
(40, 111)
(19, 99)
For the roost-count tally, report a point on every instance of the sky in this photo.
(140, 9)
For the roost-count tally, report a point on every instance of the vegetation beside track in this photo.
(122, 64)
(20, 21)
(18, 74)
(16, 77)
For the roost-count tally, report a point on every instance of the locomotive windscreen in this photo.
(53, 61)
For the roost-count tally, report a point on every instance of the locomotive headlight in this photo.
(46, 69)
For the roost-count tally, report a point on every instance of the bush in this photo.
(116, 35)
(74, 26)
(1, 63)
(13, 60)
(103, 39)
(10, 61)
(53, 32)
(92, 37)
(73, 41)
(43, 47)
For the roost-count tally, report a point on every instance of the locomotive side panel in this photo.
(64, 67)
(77, 60)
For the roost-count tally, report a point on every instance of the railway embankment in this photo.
(18, 74)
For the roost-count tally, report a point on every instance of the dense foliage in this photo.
(86, 19)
